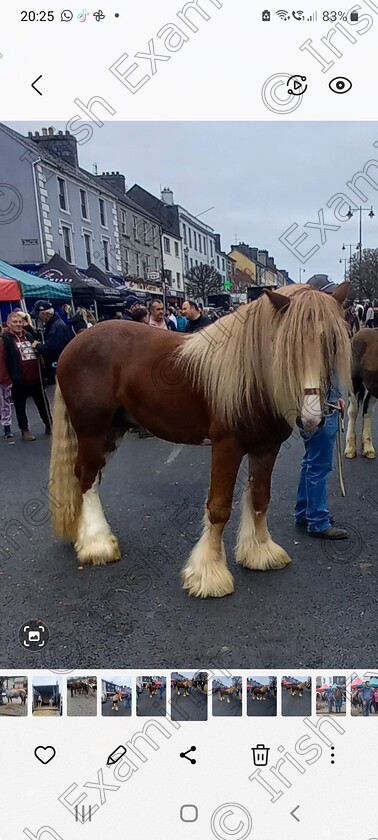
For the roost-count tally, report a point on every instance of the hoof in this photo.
(219, 584)
(262, 556)
(350, 452)
(100, 553)
(369, 453)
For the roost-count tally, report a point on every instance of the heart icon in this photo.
(44, 754)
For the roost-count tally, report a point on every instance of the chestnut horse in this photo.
(364, 391)
(242, 382)
(186, 685)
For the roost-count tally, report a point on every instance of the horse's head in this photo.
(311, 347)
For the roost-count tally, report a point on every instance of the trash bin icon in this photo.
(260, 755)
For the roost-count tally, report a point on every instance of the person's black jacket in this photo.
(198, 324)
(57, 335)
(127, 316)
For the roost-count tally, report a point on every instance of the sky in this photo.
(261, 680)
(118, 680)
(259, 178)
(51, 680)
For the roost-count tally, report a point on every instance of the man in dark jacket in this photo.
(21, 363)
(56, 335)
(131, 303)
(196, 321)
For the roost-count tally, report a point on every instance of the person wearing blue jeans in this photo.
(330, 699)
(311, 507)
(366, 695)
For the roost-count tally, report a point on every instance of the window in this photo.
(186, 263)
(190, 238)
(204, 245)
(196, 262)
(123, 222)
(84, 204)
(167, 245)
(102, 212)
(191, 263)
(62, 194)
(126, 261)
(145, 233)
(222, 263)
(177, 252)
(153, 234)
(137, 264)
(211, 248)
(195, 240)
(105, 253)
(88, 247)
(184, 232)
(178, 279)
(148, 263)
(156, 263)
(218, 266)
(135, 227)
(199, 243)
(67, 243)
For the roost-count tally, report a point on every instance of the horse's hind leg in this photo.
(95, 542)
(368, 450)
(351, 440)
(255, 549)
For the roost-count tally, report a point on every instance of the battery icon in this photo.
(354, 16)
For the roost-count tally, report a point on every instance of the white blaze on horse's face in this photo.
(312, 411)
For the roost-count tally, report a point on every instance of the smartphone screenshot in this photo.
(188, 434)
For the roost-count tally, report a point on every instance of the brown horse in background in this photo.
(242, 382)
(364, 391)
(259, 692)
(186, 685)
(227, 693)
(299, 687)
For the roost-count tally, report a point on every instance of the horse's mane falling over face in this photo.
(261, 355)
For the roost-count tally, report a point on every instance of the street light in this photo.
(300, 273)
(344, 260)
(371, 215)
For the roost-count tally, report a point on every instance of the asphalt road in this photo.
(261, 708)
(108, 711)
(151, 706)
(192, 707)
(318, 612)
(220, 708)
(84, 705)
(296, 706)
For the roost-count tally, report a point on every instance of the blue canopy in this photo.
(35, 287)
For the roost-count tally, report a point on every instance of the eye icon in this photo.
(340, 85)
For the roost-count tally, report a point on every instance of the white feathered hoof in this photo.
(350, 450)
(261, 556)
(100, 552)
(206, 574)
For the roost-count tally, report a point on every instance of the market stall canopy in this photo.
(84, 288)
(109, 281)
(356, 682)
(9, 290)
(32, 286)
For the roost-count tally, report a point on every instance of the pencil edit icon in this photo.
(116, 755)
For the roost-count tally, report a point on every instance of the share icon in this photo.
(185, 755)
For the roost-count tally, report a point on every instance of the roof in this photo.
(166, 214)
(32, 286)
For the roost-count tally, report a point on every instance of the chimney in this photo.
(167, 196)
(114, 180)
(63, 146)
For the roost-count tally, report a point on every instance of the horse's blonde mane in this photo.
(259, 356)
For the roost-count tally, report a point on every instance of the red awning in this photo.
(9, 290)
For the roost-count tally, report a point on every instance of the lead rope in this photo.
(340, 430)
(45, 400)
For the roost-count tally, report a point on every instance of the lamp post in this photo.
(344, 260)
(300, 273)
(350, 246)
(371, 214)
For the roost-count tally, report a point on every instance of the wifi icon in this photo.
(283, 14)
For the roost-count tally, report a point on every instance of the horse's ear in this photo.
(341, 293)
(280, 302)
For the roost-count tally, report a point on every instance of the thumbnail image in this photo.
(262, 696)
(151, 696)
(82, 696)
(296, 696)
(47, 696)
(364, 697)
(116, 696)
(189, 695)
(13, 696)
(227, 695)
(330, 695)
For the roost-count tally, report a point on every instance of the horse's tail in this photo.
(65, 492)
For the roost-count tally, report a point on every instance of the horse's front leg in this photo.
(205, 574)
(351, 440)
(255, 549)
(368, 450)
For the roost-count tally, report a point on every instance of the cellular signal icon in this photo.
(314, 16)
(283, 14)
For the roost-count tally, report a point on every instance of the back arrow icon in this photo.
(293, 813)
(34, 83)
